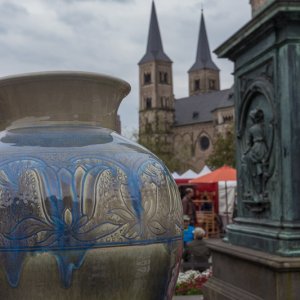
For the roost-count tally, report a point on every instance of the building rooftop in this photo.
(203, 56)
(154, 49)
(198, 108)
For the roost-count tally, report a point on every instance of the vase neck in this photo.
(61, 98)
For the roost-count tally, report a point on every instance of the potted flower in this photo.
(191, 282)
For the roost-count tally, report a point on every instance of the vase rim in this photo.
(66, 74)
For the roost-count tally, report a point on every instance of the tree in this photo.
(167, 157)
(159, 149)
(224, 150)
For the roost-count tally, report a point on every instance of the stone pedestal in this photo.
(245, 274)
(261, 259)
(266, 55)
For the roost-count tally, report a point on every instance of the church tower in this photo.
(156, 106)
(204, 74)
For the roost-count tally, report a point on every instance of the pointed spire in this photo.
(154, 47)
(203, 57)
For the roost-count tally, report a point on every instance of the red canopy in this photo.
(224, 173)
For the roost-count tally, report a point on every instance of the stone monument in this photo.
(260, 258)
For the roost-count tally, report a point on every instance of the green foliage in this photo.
(187, 289)
(158, 149)
(224, 150)
(168, 159)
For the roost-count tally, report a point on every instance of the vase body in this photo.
(84, 213)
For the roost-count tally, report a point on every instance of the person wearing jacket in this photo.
(189, 206)
(196, 253)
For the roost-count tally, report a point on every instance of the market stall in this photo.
(225, 178)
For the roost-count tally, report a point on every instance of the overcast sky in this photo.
(110, 36)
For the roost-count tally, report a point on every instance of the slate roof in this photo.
(199, 108)
(154, 49)
(203, 56)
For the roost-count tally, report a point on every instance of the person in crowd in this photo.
(196, 254)
(206, 206)
(188, 234)
(189, 206)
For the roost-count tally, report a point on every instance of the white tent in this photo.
(227, 196)
(175, 175)
(190, 174)
(205, 170)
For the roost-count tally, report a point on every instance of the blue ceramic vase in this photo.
(84, 212)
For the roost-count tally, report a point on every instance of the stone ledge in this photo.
(218, 289)
(270, 260)
(279, 263)
(240, 273)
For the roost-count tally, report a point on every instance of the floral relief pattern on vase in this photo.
(96, 203)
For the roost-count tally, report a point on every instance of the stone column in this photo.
(260, 258)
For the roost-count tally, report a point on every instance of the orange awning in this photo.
(224, 173)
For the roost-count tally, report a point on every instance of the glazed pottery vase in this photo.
(84, 212)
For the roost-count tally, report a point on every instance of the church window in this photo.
(167, 99)
(147, 78)
(197, 85)
(163, 77)
(166, 77)
(228, 118)
(204, 142)
(148, 103)
(164, 101)
(212, 84)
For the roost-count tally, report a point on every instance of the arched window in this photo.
(197, 85)
(148, 102)
(212, 84)
(163, 77)
(147, 78)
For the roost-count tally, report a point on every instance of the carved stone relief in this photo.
(255, 142)
(254, 159)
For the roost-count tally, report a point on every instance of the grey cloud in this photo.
(106, 36)
(9, 13)
(77, 19)
(3, 29)
(11, 10)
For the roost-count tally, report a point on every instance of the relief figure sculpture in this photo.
(254, 162)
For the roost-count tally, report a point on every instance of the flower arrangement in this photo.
(191, 282)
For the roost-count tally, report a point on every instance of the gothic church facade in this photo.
(181, 131)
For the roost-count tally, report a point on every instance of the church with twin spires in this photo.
(181, 131)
